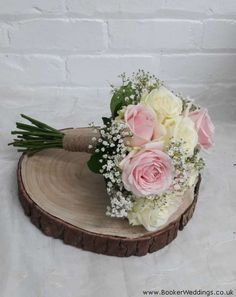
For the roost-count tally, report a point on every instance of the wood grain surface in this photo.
(67, 201)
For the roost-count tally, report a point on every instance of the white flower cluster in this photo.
(113, 149)
(179, 158)
(137, 85)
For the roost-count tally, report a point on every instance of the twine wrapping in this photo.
(79, 140)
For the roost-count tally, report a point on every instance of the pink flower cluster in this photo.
(148, 170)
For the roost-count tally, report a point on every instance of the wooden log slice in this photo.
(67, 201)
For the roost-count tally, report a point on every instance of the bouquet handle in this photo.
(80, 140)
(36, 136)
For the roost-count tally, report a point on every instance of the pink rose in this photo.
(142, 123)
(204, 127)
(147, 172)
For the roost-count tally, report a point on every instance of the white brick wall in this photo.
(30, 70)
(23, 7)
(153, 35)
(103, 70)
(59, 55)
(61, 34)
(203, 68)
(219, 34)
(4, 42)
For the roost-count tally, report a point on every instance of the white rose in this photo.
(145, 212)
(164, 103)
(182, 128)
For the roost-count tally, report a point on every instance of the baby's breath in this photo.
(112, 144)
(139, 83)
(179, 157)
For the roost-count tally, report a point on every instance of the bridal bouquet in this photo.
(148, 150)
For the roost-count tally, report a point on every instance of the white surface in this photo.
(203, 255)
(50, 72)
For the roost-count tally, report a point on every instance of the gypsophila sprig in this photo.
(181, 163)
(112, 150)
(132, 89)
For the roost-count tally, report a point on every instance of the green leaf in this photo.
(93, 163)
(116, 103)
(106, 121)
(118, 98)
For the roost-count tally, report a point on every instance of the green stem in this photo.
(30, 128)
(36, 141)
(38, 123)
(18, 144)
(36, 137)
(38, 134)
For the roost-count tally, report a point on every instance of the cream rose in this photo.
(163, 102)
(151, 215)
(182, 128)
